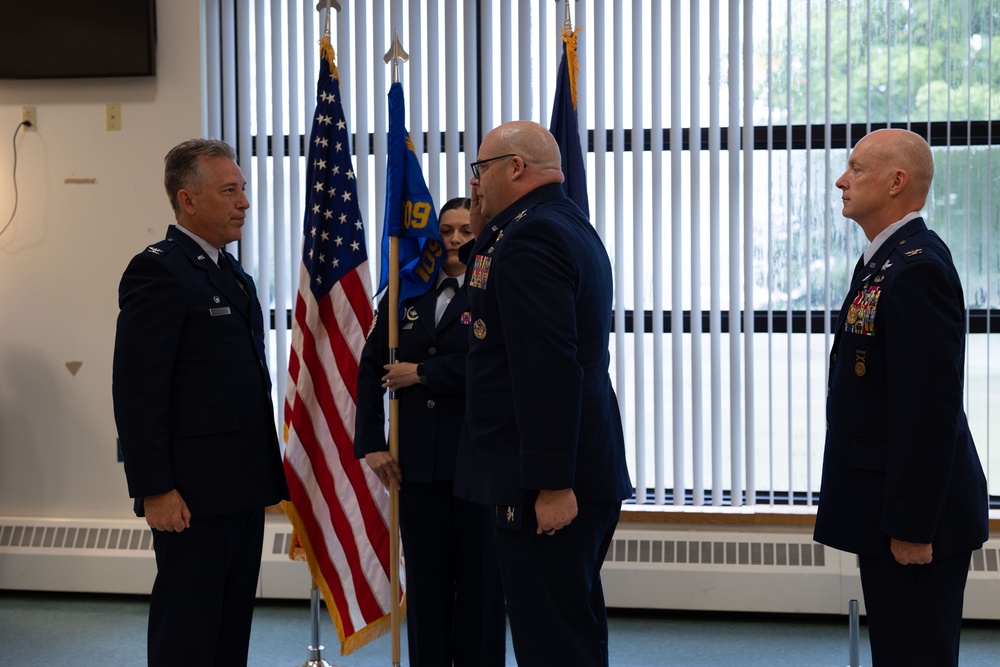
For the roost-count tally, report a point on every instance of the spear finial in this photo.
(328, 5)
(394, 55)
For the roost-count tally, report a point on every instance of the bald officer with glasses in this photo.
(544, 448)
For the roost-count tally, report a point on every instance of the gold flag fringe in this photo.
(572, 62)
(300, 549)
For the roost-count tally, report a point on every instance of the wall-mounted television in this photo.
(62, 39)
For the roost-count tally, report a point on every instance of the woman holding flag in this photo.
(454, 598)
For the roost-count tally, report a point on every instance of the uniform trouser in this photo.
(914, 612)
(201, 606)
(454, 598)
(555, 601)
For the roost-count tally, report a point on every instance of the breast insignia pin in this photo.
(479, 329)
(859, 363)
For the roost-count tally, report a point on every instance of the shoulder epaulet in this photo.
(159, 248)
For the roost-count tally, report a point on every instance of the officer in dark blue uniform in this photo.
(902, 484)
(545, 450)
(193, 407)
(454, 597)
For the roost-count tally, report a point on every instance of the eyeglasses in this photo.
(476, 166)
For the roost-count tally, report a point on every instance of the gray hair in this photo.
(183, 170)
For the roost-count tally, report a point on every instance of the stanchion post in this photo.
(855, 634)
(315, 658)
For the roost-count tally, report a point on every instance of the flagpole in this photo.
(315, 657)
(394, 55)
(567, 21)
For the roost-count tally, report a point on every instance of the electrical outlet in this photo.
(112, 117)
(29, 115)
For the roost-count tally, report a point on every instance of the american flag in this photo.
(338, 508)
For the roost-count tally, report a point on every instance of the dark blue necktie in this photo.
(228, 270)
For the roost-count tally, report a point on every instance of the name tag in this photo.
(215, 312)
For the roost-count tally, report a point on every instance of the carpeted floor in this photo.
(39, 629)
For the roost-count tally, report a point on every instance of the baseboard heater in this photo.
(740, 570)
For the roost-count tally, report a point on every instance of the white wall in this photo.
(61, 259)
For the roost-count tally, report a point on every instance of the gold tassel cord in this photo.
(326, 51)
(572, 61)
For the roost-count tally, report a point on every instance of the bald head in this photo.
(907, 151)
(888, 175)
(533, 142)
(533, 160)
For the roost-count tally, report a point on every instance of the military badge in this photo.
(465, 318)
(411, 314)
(911, 253)
(859, 363)
(479, 329)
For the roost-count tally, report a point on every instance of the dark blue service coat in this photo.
(431, 415)
(541, 412)
(455, 606)
(191, 387)
(900, 460)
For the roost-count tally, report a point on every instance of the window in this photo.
(714, 134)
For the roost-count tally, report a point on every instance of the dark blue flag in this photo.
(564, 126)
(409, 211)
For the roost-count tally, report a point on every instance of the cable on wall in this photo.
(24, 123)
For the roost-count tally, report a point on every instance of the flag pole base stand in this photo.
(315, 649)
(316, 659)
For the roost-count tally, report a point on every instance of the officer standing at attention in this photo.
(454, 598)
(902, 483)
(545, 449)
(192, 398)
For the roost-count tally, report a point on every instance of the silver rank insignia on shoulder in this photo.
(521, 214)
(911, 253)
(154, 250)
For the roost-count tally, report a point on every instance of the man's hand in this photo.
(476, 219)
(388, 471)
(554, 510)
(911, 553)
(167, 511)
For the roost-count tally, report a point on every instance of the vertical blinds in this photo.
(714, 132)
